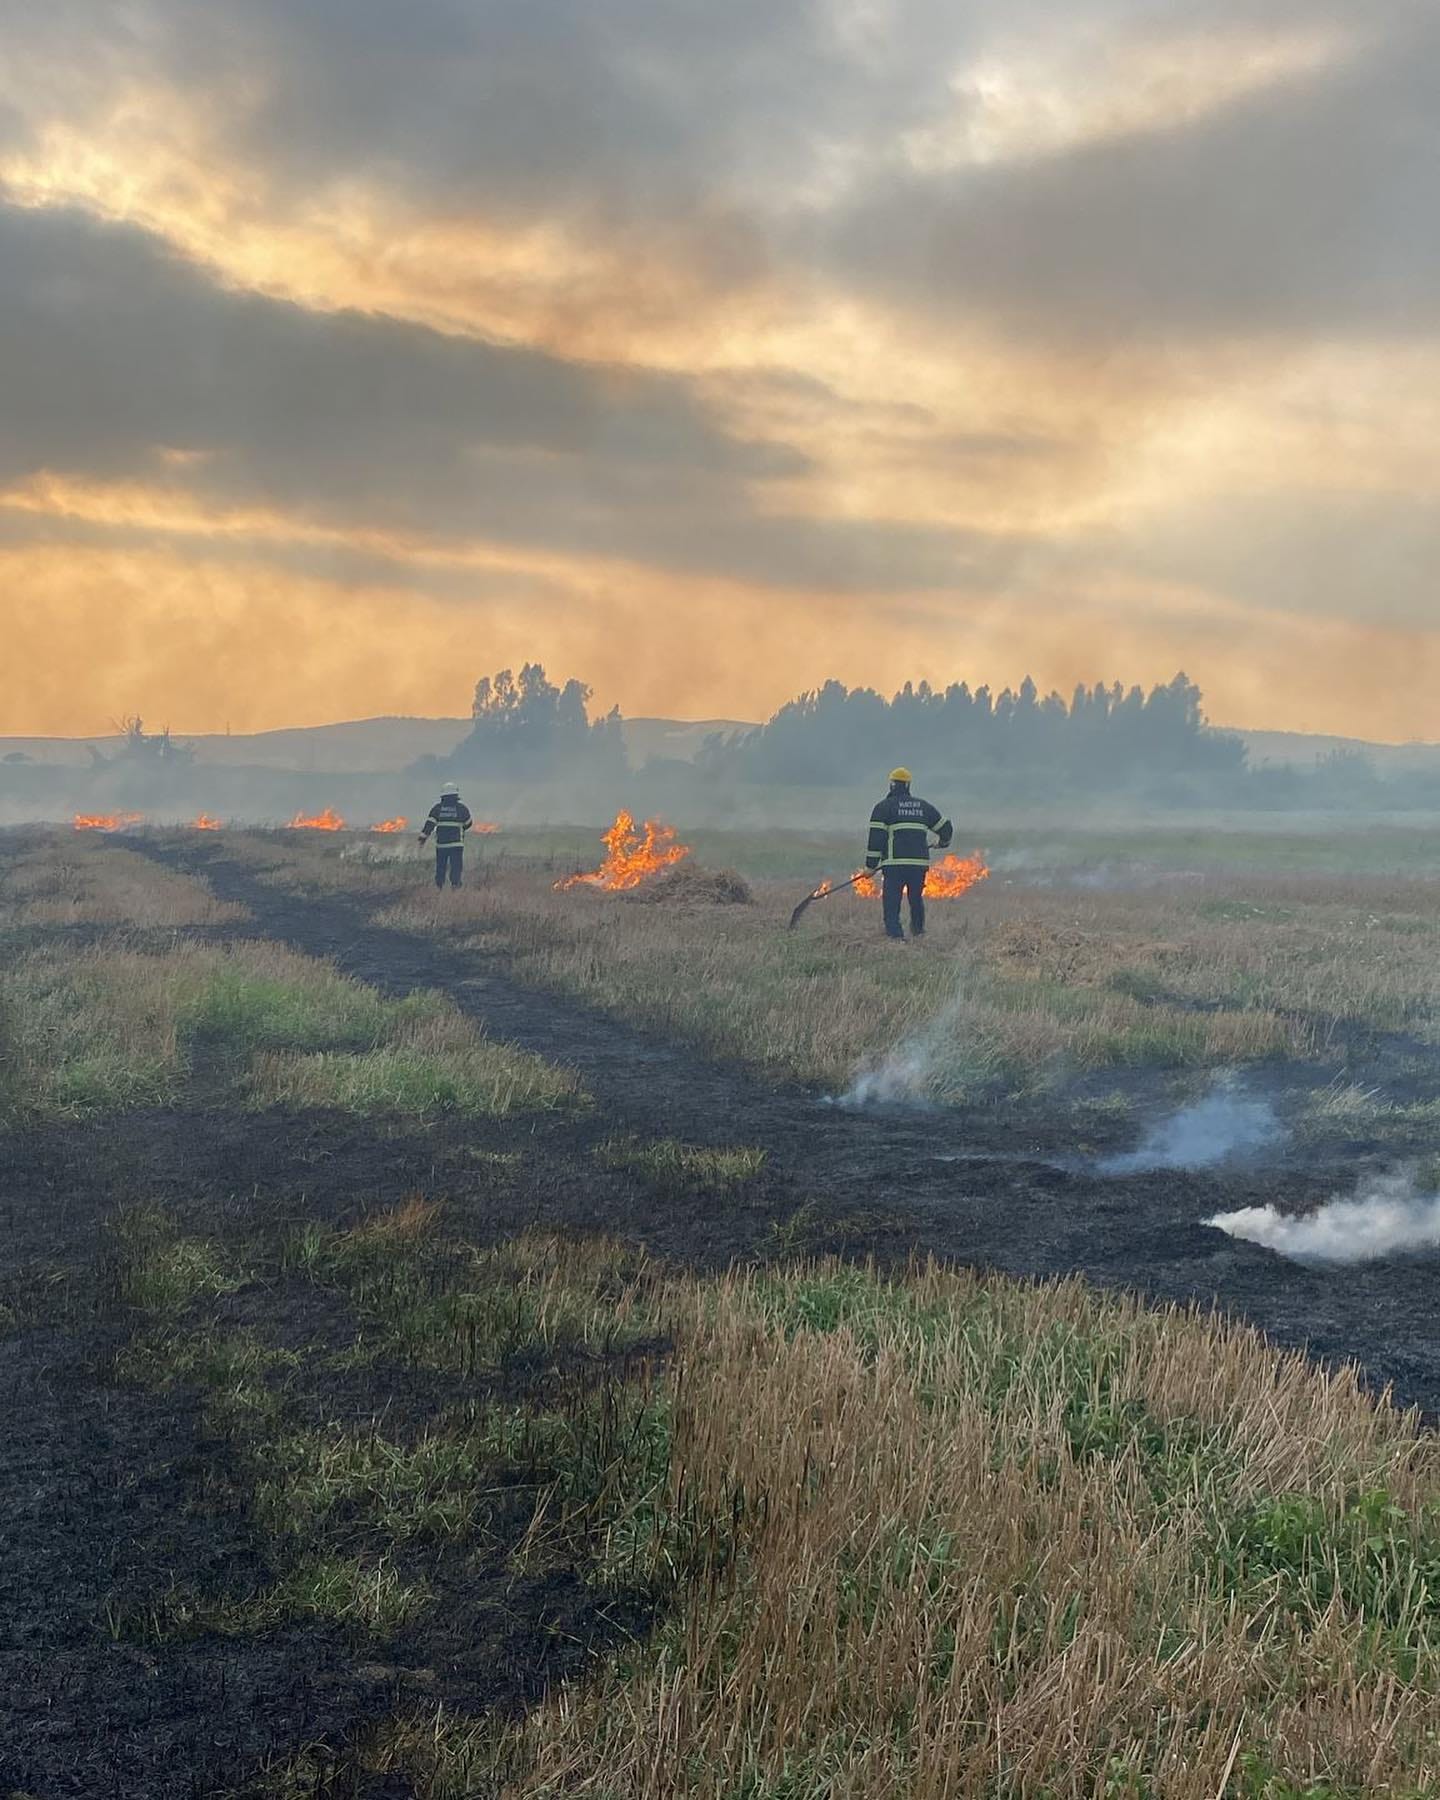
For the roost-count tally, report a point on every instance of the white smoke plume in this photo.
(1225, 1125)
(904, 1075)
(1386, 1217)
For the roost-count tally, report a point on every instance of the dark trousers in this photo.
(451, 862)
(911, 883)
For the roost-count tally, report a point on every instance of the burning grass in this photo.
(632, 855)
(689, 884)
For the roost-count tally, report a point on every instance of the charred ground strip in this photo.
(127, 1502)
(157, 1639)
(872, 1184)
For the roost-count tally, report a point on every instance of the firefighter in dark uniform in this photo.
(449, 819)
(899, 848)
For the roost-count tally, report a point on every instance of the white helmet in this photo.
(451, 787)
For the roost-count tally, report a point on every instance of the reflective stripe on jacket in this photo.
(449, 819)
(900, 828)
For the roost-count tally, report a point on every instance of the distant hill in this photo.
(359, 746)
(1303, 749)
(383, 746)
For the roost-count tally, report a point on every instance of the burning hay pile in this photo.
(688, 884)
(647, 862)
(632, 855)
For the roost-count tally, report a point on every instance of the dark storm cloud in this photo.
(114, 352)
(109, 344)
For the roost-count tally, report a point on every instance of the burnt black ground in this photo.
(875, 1181)
(97, 1480)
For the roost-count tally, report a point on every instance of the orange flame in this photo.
(955, 875)
(484, 828)
(205, 823)
(630, 856)
(947, 880)
(325, 821)
(389, 825)
(106, 821)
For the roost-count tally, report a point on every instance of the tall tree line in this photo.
(1102, 736)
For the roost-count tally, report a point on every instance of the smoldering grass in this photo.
(821, 1003)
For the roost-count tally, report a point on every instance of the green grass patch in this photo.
(159, 1269)
(367, 1597)
(252, 1010)
(1376, 1561)
(481, 1079)
(114, 1027)
(672, 1167)
(309, 1484)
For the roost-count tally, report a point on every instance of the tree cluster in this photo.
(1102, 737)
(525, 728)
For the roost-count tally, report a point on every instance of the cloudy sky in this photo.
(350, 349)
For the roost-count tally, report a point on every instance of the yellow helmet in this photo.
(901, 775)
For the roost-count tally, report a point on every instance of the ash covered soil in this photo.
(106, 1489)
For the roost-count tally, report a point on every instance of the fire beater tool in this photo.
(823, 893)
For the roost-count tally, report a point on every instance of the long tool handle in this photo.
(825, 893)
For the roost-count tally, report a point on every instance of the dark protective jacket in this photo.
(900, 828)
(449, 819)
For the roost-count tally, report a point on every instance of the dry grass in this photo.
(113, 1026)
(1016, 984)
(948, 1535)
(998, 1541)
(80, 879)
(1011, 984)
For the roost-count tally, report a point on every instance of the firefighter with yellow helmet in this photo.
(899, 849)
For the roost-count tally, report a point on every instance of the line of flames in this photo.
(632, 855)
(946, 880)
(329, 820)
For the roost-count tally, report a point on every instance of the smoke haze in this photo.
(1386, 1217)
(1227, 1125)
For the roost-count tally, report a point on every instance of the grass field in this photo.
(377, 1390)
(1175, 958)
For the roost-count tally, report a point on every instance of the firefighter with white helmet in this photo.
(449, 819)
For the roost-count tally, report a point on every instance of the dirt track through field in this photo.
(877, 1181)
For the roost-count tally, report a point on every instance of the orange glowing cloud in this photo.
(205, 644)
(822, 389)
